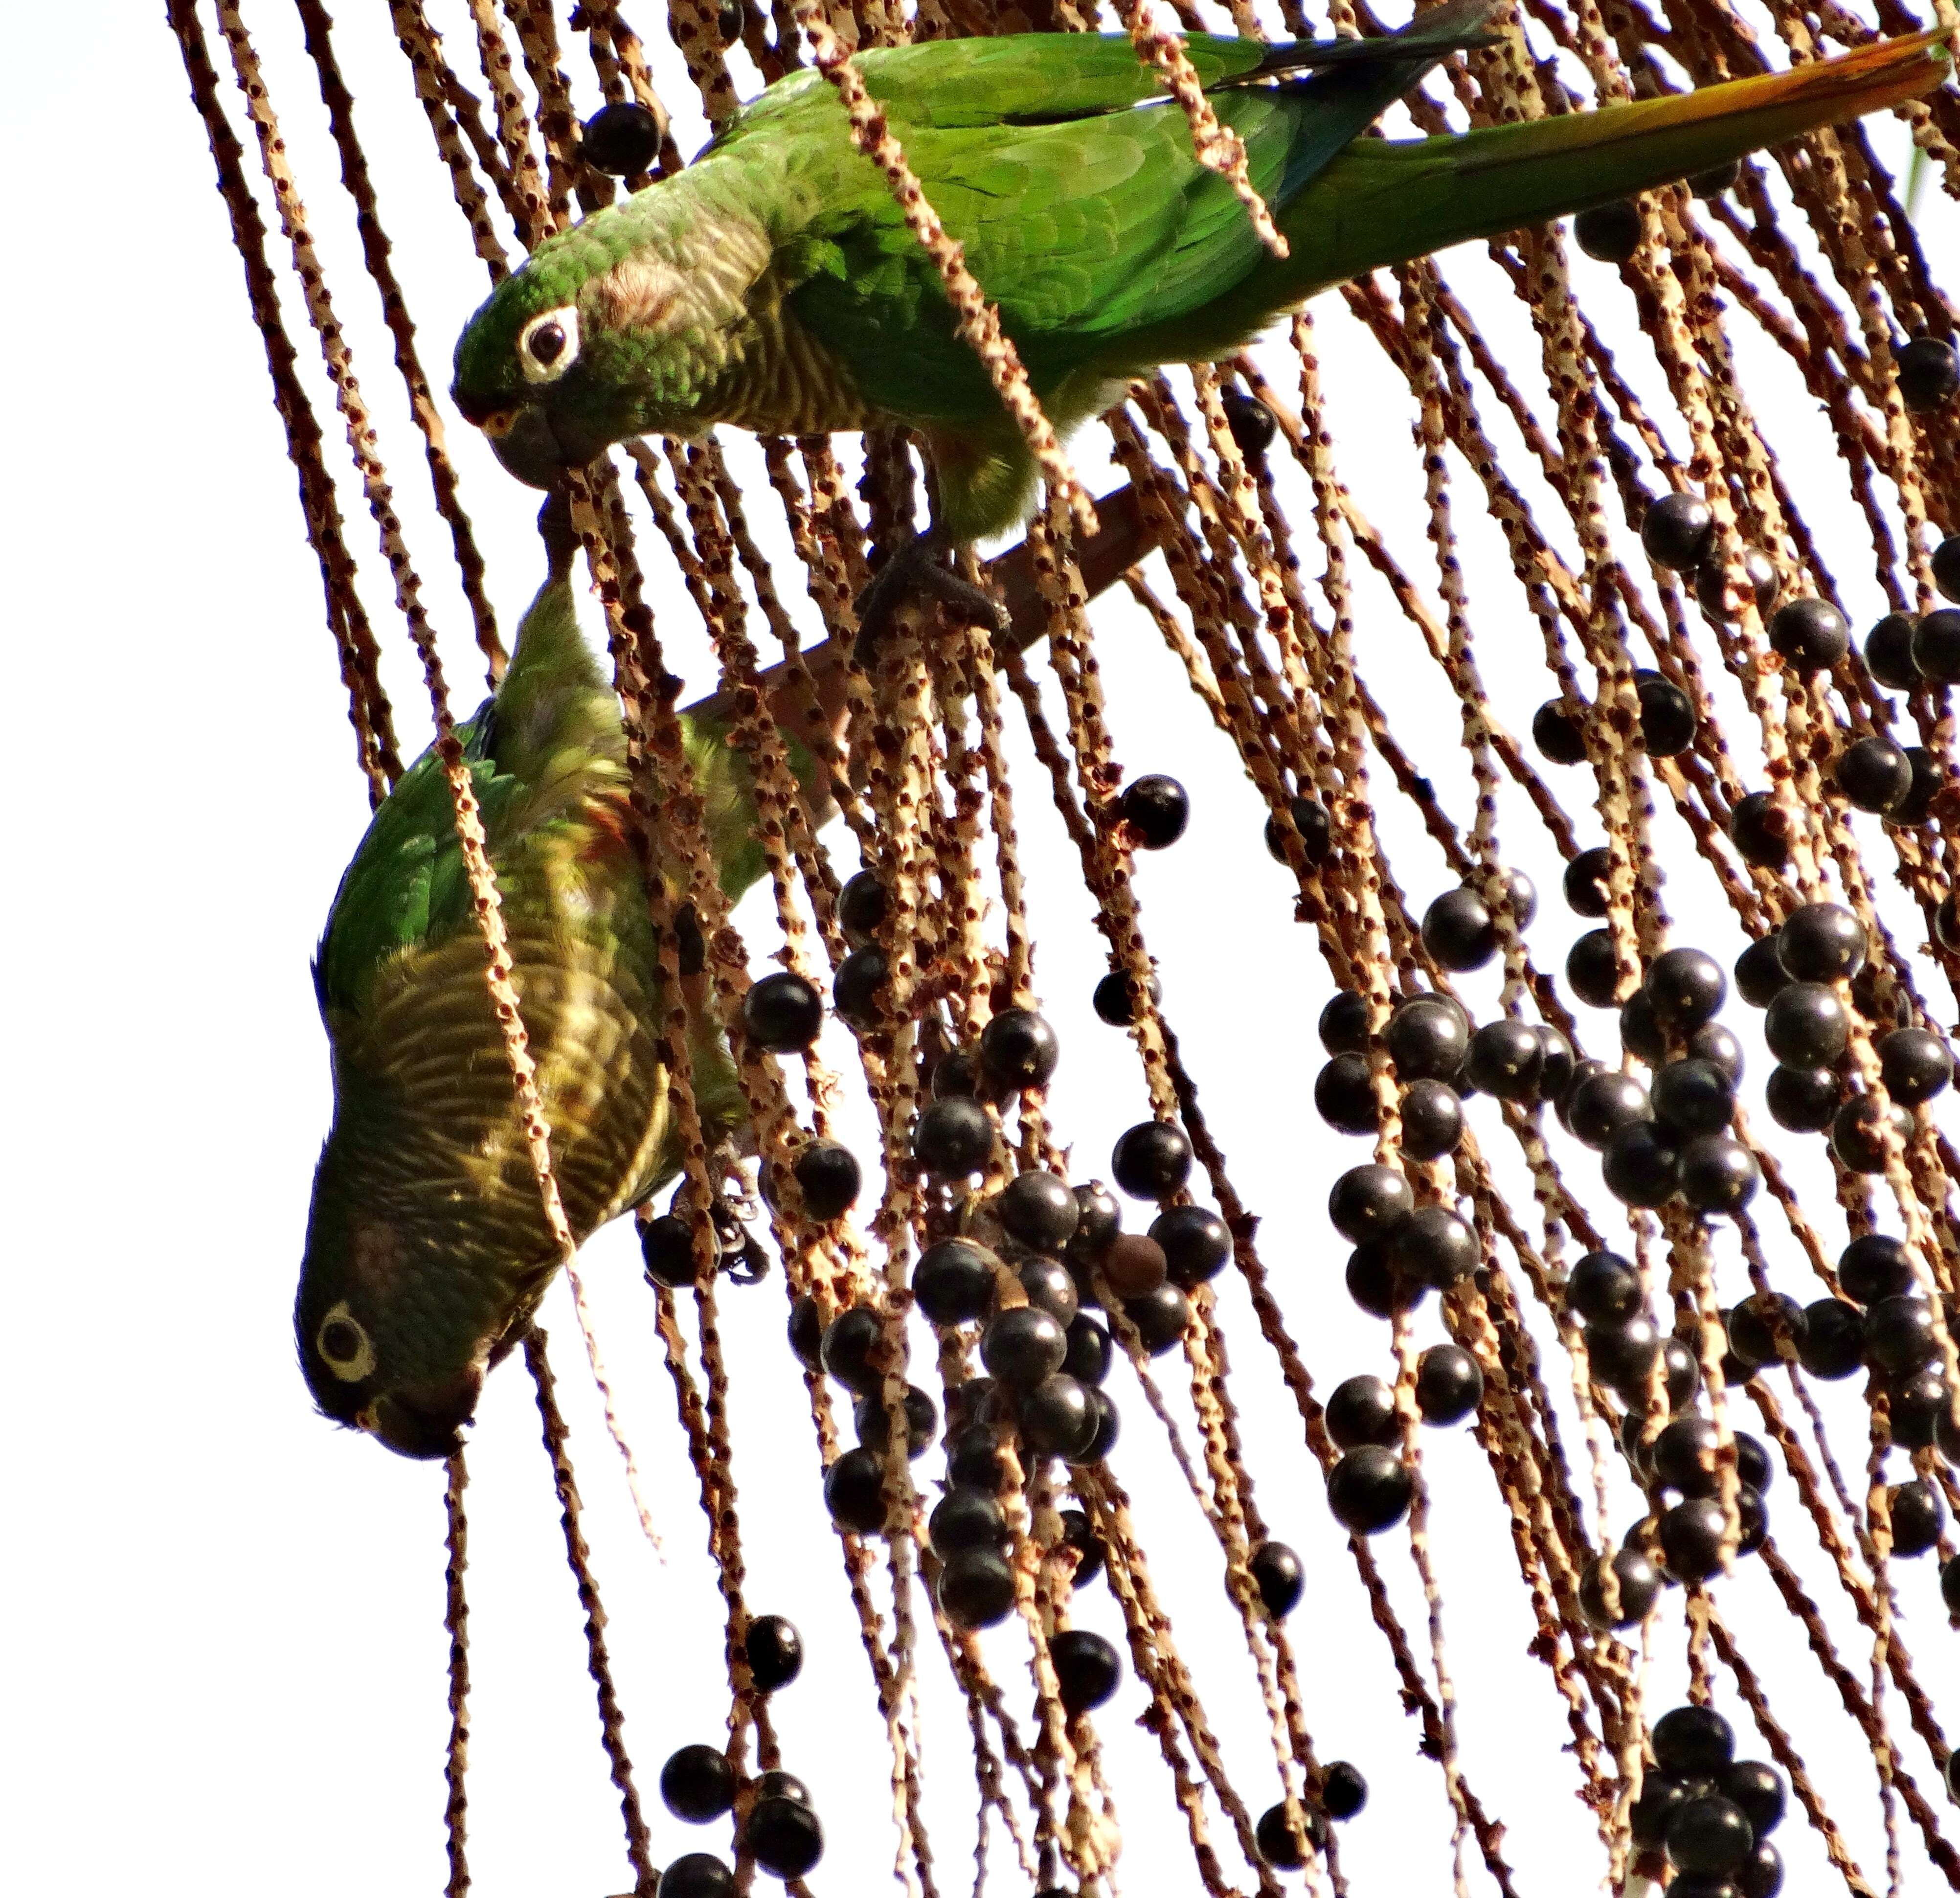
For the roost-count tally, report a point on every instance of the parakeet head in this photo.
(395, 1331)
(607, 332)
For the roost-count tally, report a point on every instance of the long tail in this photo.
(1383, 202)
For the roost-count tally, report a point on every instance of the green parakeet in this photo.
(774, 285)
(426, 1248)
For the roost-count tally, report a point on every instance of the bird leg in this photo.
(920, 567)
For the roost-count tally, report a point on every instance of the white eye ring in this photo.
(548, 344)
(350, 1355)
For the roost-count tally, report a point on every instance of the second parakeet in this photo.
(774, 283)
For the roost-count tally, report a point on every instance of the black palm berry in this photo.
(973, 1459)
(1713, 1042)
(1344, 1095)
(774, 1651)
(1593, 968)
(1108, 1427)
(1889, 653)
(1110, 999)
(1875, 775)
(1611, 233)
(1662, 1795)
(1623, 1354)
(829, 1177)
(1759, 829)
(1640, 1032)
(1586, 882)
(1560, 1067)
(1916, 807)
(1098, 1218)
(965, 1519)
(1947, 566)
(1556, 731)
(1917, 1404)
(1582, 1072)
(1760, 977)
(698, 1784)
(1151, 1160)
(1279, 1844)
(667, 1251)
(1343, 1791)
(1692, 1742)
(956, 1076)
(1761, 1874)
(873, 1421)
(1278, 1575)
(1694, 1097)
(1252, 424)
(1458, 930)
(1683, 1456)
(1639, 1583)
(1804, 1100)
(1936, 647)
(853, 1350)
(1161, 1317)
(1361, 1409)
(1050, 1287)
(1078, 1533)
(1757, 1789)
(1668, 723)
(805, 1333)
(1676, 531)
(1019, 1049)
(1195, 1243)
(1832, 1344)
(697, 1874)
(1091, 1350)
(1087, 1669)
(782, 1012)
(953, 1282)
(1898, 1335)
(853, 1491)
(1690, 1539)
(1522, 894)
(1717, 1173)
(1928, 373)
(1058, 1418)
(1432, 1120)
(1806, 1025)
(1157, 808)
(728, 21)
(1604, 1288)
(1435, 1247)
(1946, 925)
(1760, 579)
(1810, 635)
(1449, 1384)
(1760, 1321)
(621, 139)
(1023, 1346)
(1374, 1284)
(1950, 1595)
(1312, 826)
(783, 1836)
(1820, 942)
(1916, 1065)
(1368, 1202)
(857, 993)
(1640, 1162)
(1602, 1104)
(1344, 1024)
(861, 906)
(1874, 1265)
(1369, 1490)
(1427, 1039)
(1505, 1060)
(1709, 1838)
(953, 1137)
(1858, 1133)
(1037, 1210)
(976, 1588)
(1686, 987)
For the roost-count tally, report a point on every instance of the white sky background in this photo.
(224, 1667)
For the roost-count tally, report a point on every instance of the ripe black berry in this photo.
(621, 139)
(1760, 579)
(1936, 647)
(1368, 1202)
(1858, 1132)
(1344, 1024)
(1757, 1325)
(965, 1519)
(1874, 1265)
(1586, 882)
(1279, 1844)
(1832, 1342)
(861, 906)
(1087, 1669)
(1427, 1038)
(1685, 987)
(953, 1137)
(1692, 1097)
(774, 1651)
(1505, 1060)
(1639, 1582)
(1947, 566)
(1927, 781)
(1593, 968)
(976, 1588)
(1693, 1742)
(1889, 653)
(1037, 1210)
(1110, 999)
(1806, 1025)
(1157, 808)
(783, 1836)
(1458, 930)
(1058, 1418)
(1432, 1120)
(1557, 732)
(1623, 1353)
(1091, 1350)
(1019, 1049)
(1161, 1317)
(698, 1784)
(1435, 1245)
(1361, 1409)
(1668, 723)
(1344, 1095)
(1449, 1384)
(853, 1491)
(1760, 830)
(1676, 531)
(1610, 233)
(1151, 1160)
(1369, 1490)
(973, 1459)
(1602, 1104)
(1759, 973)
(1717, 1173)
(1640, 1032)
(828, 1175)
(1640, 1161)
(1928, 373)
(1757, 1789)
(1898, 1335)
(858, 991)
(1713, 1043)
(1804, 1100)
(1343, 1791)
(1023, 1346)
(1709, 1838)
(1918, 1516)
(1195, 1243)
(697, 1874)
(1874, 774)
(1252, 424)
(1810, 635)
(1277, 1574)
(1604, 1289)
(1310, 823)
(1690, 1539)
(667, 1251)
(1916, 1065)
(953, 1282)
(873, 1421)
(782, 1012)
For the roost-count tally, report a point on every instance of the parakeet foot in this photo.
(919, 568)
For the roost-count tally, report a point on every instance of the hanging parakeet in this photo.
(427, 1250)
(774, 285)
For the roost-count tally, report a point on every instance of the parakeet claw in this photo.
(919, 567)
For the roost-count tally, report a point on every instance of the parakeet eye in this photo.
(343, 1343)
(548, 344)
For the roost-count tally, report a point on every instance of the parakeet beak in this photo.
(425, 1423)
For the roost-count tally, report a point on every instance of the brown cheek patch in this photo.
(638, 293)
(377, 1258)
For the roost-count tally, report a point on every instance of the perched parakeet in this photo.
(426, 1249)
(774, 283)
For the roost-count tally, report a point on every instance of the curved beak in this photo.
(528, 446)
(425, 1422)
